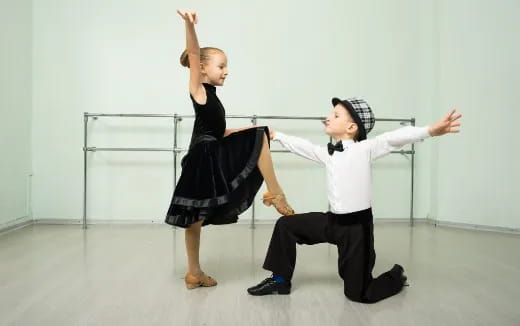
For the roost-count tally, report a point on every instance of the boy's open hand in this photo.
(446, 125)
(188, 16)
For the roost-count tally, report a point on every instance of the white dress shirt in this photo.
(349, 173)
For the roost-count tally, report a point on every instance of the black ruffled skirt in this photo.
(219, 179)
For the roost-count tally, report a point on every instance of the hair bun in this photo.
(185, 62)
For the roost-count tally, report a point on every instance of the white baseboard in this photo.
(376, 220)
(24, 221)
(66, 221)
(474, 227)
(15, 224)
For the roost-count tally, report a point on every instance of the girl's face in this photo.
(214, 71)
(339, 124)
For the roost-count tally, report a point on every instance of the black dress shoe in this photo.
(261, 283)
(399, 270)
(270, 286)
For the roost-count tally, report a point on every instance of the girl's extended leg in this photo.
(275, 193)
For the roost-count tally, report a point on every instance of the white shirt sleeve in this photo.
(302, 147)
(383, 144)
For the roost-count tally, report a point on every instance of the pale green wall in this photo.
(117, 56)
(407, 58)
(479, 74)
(15, 110)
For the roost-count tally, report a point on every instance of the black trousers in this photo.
(352, 233)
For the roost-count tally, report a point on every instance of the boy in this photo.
(349, 223)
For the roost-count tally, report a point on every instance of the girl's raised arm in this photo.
(193, 51)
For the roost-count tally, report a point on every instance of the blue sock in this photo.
(278, 278)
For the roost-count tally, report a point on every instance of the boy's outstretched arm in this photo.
(301, 147)
(393, 140)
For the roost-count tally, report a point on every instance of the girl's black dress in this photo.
(219, 176)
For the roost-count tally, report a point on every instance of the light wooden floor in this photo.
(132, 275)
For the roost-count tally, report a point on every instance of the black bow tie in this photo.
(338, 147)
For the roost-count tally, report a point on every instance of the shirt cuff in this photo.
(424, 132)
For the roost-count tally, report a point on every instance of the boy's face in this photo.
(339, 124)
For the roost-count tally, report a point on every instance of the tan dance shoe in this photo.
(202, 280)
(279, 201)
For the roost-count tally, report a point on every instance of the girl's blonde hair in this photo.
(205, 54)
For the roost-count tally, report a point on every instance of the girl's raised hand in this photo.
(188, 16)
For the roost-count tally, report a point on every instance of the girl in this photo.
(224, 168)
